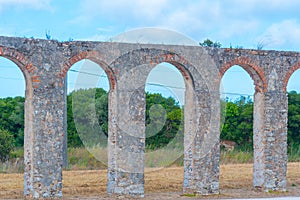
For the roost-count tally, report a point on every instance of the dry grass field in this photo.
(165, 183)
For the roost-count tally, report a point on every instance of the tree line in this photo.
(164, 119)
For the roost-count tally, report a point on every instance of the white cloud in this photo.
(252, 5)
(35, 4)
(150, 9)
(283, 35)
(221, 20)
(121, 9)
(214, 19)
(190, 16)
(154, 36)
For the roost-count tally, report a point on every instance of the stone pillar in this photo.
(111, 141)
(44, 139)
(28, 142)
(258, 140)
(201, 145)
(270, 136)
(126, 140)
(65, 125)
(275, 131)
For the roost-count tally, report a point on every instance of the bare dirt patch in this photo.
(165, 183)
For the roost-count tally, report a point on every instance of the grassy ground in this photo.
(86, 176)
(235, 181)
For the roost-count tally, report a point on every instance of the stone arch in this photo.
(156, 56)
(94, 56)
(97, 58)
(257, 75)
(135, 66)
(252, 68)
(27, 69)
(31, 82)
(289, 74)
(174, 87)
(179, 62)
(194, 82)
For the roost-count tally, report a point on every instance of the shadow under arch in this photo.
(260, 83)
(27, 70)
(136, 66)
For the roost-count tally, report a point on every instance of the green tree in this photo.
(73, 137)
(88, 101)
(12, 117)
(17, 117)
(102, 109)
(238, 124)
(171, 126)
(293, 118)
(229, 130)
(210, 43)
(6, 144)
(163, 117)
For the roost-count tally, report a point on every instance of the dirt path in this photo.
(166, 183)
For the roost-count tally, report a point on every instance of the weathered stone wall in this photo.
(45, 64)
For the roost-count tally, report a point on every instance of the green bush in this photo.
(79, 159)
(236, 157)
(17, 153)
(294, 152)
(6, 144)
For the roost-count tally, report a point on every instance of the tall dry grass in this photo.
(96, 158)
(82, 159)
(236, 157)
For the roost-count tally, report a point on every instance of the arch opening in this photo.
(239, 100)
(165, 102)
(88, 91)
(12, 125)
(256, 74)
(293, 129)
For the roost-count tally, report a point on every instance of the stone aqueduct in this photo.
(44, 64)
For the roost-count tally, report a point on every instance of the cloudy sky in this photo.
(274, 24)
